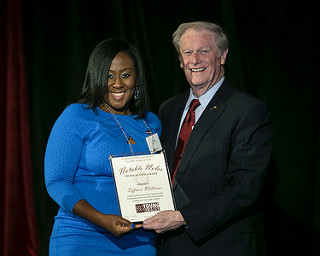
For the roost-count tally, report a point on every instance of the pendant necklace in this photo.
(129, 140)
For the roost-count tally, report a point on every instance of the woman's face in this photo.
(121, 84)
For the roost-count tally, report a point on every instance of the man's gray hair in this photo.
(220, 36)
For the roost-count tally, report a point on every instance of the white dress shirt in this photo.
(204, 101)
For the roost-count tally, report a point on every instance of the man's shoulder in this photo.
(245, 98)
(174, 100)
(232, 94)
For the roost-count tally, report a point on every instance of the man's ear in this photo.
(180, 59)
(224, 57)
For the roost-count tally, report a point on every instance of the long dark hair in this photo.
(96, 81)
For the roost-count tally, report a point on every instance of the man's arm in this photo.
(247, 162)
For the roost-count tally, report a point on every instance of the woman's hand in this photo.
(114, 224)
(117, 225)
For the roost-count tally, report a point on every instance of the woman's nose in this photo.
(117, 82)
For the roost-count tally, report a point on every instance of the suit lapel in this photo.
(212, 112)
(174, 124)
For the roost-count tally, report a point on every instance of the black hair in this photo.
(96, 80)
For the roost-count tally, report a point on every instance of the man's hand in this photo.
(164, 221)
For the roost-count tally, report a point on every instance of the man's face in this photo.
(201, 61)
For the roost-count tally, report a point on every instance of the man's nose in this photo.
(195, 58)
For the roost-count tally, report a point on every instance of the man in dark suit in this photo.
(218, 179)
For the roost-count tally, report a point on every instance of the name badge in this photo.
(154, 143)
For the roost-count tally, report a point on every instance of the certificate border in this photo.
(137, 155)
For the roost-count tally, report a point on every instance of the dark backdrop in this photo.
(273, 52)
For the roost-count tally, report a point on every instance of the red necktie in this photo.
(184, 134)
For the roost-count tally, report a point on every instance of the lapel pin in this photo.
(214, 107)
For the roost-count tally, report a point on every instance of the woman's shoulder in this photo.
(75, 118)
(151, 117)
(77, 110)
(153, 121)
(75, 114)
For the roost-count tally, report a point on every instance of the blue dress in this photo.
(77, 167)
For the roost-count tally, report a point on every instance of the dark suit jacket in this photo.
(220, 175)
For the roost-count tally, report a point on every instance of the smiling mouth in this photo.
(197, 69)
(117, 95)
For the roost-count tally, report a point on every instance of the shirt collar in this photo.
(206, 97)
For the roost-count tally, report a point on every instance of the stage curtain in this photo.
(274, 49)
(18, 232)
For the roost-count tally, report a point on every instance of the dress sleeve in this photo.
(62, 158)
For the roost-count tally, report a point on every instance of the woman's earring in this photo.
(136, 93)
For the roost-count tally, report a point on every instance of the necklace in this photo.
(130, 141)
(125, 135)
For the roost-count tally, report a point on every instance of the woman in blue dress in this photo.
(108, 118)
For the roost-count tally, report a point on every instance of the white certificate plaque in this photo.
(143, 185)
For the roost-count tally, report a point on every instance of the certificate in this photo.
(143, 185)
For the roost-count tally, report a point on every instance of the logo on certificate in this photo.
(148, 207)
